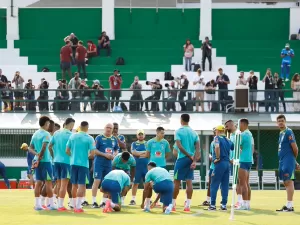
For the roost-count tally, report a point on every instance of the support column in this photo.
(108, 18)
(205, 19)
(294, 21)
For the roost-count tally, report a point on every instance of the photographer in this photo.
(200, 84)
(85, 94)
(3, 82)
(43, 98)
(8, 96)
(222, 81)
(172, 96)
(184, 84)
(19, 82)
(241, 80)
(99, 95)
(62, 95)
(115, 82)
(210, 89)
(74, 85)
(157, 87)
(29, 95)
(252, 81)
(206, 53)
(137, 95)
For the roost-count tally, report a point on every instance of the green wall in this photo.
(250, 24)
(166, 24)
(2, 24)
(44, 23)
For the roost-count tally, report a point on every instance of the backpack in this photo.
(120, 61)
(124, 107)
(117, 109)
(168, 76)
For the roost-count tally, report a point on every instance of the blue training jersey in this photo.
(122, 139)
(59, 142)
(139, 147)
(29, 157)
(225, 147)
(188, 139)
(286, 138)
(246, 146)
(211, 150)
(287, 58)
(105, 145)
(158, 151)
(38, 138)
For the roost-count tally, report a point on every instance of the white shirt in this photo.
(199, 86)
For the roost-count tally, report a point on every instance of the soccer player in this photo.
(108, 146)
(30, 157)
(212, 166)
(187, 141)
(220, 175)
(138, 150)
(160, 181)
(43, 169)
(3, 175)
(79, 146)
(287, 153)
(61, 160)
(126, 162)
(286, 54)
(245, 164)
(57, 127)
(120, 138)
(115, 184)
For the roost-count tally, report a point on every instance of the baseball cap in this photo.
(287, 45)
(140, 131)
(24, 145)
(220, 127)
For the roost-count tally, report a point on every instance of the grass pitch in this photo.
(16, 207)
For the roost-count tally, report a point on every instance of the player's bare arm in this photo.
(197, 153)
(179, 145)
(132, 173)
(68, 151)
(217, 151)
(295, 149)
(41, 155)
(51, 150)
(31, 150)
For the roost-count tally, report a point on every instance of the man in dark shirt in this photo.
(81, 54)
(210, 90)
(278, 86)
(65, 59)
(104, 42)
(157, 87)
(269, 90)
(183, 87)
(222, 80)
(3, 81)
(206, 53)
(252, 80)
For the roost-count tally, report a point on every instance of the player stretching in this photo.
(108, 146)
(43, 168)
(138, 150)
(187, 141)
(287, 152)
(245, 164)
(220, 174)
(115, 184)
(79, 147)
(126, 162)
(160, 181)
(61, 160)
(30, 157)
(212, 166)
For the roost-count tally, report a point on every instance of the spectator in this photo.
(137, 93)
(65, 59)
(85, 93)
(222, 81)
(172, 96)
(62, 96)
(115, 82)
(43, 98)
(19, 85)
(206, 53)
(183, 87)
(269, 90)
(241, 80)
(81, 54)
(3, 82)
(92, 50)
(74, 42)
(200, 85)
(252, 81)
(278, 93)
(99, 95)
(157, 87)
(104, 43)
(286, 54)
(188, 54)
(74, 85)
(295, 85)
(30, 96)
(8, 97)
(210, 89)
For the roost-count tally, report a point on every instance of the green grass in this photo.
(16, 207)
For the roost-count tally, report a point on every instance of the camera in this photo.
(150, 83)
(212, 82)
(45, 84)
(95, 86)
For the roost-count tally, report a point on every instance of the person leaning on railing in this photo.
(43, 87)
(99, 95)
(252, 81)
(85, 94)
(136, 95)
(29, 95)
(295, 85)
(278, 93)
(8, 96)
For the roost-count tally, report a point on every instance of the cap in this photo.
(184, 74)
(116, 70)
(251, 71)
(220, 127)
(157, 80)
(287, 45)
(140, 132)
(24, 145)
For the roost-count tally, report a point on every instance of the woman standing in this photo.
(295, 85)
(188, 54)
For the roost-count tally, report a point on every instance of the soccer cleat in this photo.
(37, 208)
(186, 209)
(107, 208)
(85, 203)
(44, 207)
(95, 205)
(146, 209)
(205, 203)
(242, 207)
(168, 210)
(223, 208)
(174, 209)
(285, 209)
(237, 205)
(211, 208)
(286, 79)
(78, 210)
(51, 208)
(102, 205)
(132, 202)
(61, 209)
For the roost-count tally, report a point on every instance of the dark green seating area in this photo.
(3, 43)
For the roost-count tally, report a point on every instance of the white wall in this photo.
(206, 19)
(108, 18)
(294, 20)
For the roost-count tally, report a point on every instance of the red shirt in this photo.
(92, 47)
(115, 82)
(66, 53)
(81, 51)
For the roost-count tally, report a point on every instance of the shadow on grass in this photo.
(69, 213)
(255, 211)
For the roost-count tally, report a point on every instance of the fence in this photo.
(265, 157)
(162, 100)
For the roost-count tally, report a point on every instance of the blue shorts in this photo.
(62, 171)
(100, 171)
(210, 172)
(113, 188)
(246, 166)
(140, 173)
(182, 170)
(287, 170)
(79, 175)
(29, 169)
(165, 188)
(44, 172)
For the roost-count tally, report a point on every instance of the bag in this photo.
(18, 108)
(134, 106)
(189, 104)
(45, 69)
(196, 67)
(117, 109)
(124, 107)
(214, 107)
(75, 105)
(168, 76)
(120, 61)
(293, 36)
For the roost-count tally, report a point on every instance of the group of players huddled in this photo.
(63, 155)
